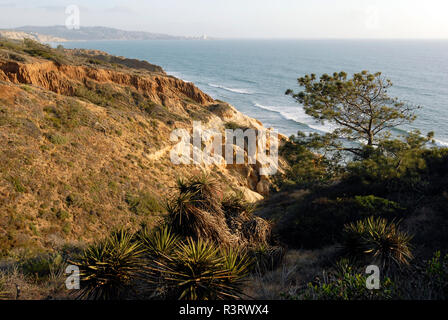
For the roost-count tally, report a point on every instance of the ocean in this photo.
(253, 75)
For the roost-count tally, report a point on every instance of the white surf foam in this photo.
(235, 90)
(441, 143)
(178, 75)
(298, 115)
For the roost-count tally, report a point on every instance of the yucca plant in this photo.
(108, 268)
(187, 218)
(159, 242)
(203, 190)
(238, 263)
(235, 204)
(198, 270)
(378, 239)
(191, 216)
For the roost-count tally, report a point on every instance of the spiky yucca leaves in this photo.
(159, 242)
(203, 190)
(378, 239)
(198, 270)
(196, 212)
(200, 212)
(188, 219)
(237, 262)
(109, 267)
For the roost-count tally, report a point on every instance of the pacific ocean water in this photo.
(253, 75)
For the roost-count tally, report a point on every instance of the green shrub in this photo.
(379, 240)
(97, 94)
(374, 205)
(317, 221)
(411, 171)
(17, 184)
(307, 169)
(56, 138)
(42, 265)
(109, 268)
(37, 49)
(67, 115)
(67, 228)
(234, 126)
(437, 272)
(343, 282)
(143, 204)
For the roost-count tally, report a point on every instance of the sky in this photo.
(302, 19)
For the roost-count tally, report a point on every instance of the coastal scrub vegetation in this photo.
(363, 192)
(188, 256)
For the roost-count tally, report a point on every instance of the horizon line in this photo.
(240, 38)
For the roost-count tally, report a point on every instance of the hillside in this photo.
(86, 143)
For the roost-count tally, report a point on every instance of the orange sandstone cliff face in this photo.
(63, 79)
(86, 146)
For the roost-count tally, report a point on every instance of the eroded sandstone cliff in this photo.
(86, 143)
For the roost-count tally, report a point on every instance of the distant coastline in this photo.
(63, 34)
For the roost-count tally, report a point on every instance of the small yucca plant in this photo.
(198, 270)
(109, 267)
(378, 239)
(266, 258)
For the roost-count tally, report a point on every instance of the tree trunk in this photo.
(370, 140)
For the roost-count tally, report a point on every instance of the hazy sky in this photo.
(245, 18)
